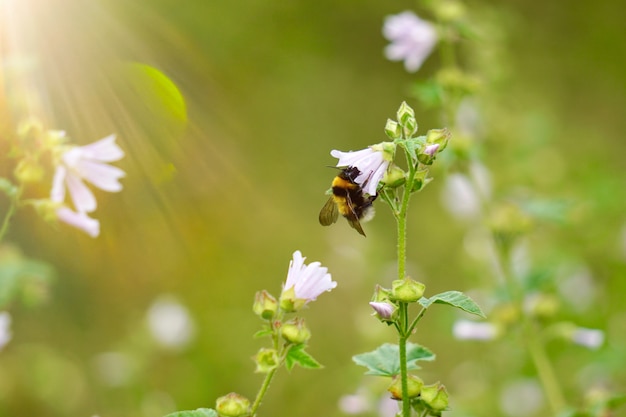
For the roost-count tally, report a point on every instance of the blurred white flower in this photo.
(355, 403)
(589, 338)
(372, 163)
(5, 328)
(87, 163)
(412, 39)
(472, 330)
(388, 407)
(521, 397)
(459, 197)
(307, 281)
(79, 220)
(170, 323)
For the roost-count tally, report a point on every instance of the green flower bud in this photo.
(427, 154)
(542, 306)
(393, 129)
(405, 112)
(289, 302)
(439, 137)
(435, 396)
(420, 180)
(394, 177)
(407, 290)
(265, 305)
(28, 170)
(507, 221)
(450, 10)
(233, 405)
(266, 360)
(414, 387)
(30, 132)
(410, 127)
(295, 331)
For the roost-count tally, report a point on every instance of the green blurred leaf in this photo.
(297, 356)
(455, 299)
(200, 412)
(20, 276)
(8, 187)
(385, 360)
(262, 333)
(428, 92)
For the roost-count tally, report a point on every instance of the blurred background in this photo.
(227, 112)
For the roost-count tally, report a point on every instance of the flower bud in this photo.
(233, 405)
(428, 153)
(449, 11)
(439, 137)
(405, 112)
(407, 290)
(295, 331)
(410, 127)
(384, 311)
(266, 360)
(265, 305)
(30, 132)
(394, 177)
(393, 129)
(435, 396)
(28, 170)
(507, 221)
(541, 305)
(420, 180)
(414, 387)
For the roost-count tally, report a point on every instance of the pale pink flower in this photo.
(589, 338)
(79, 220)
(472, 330)
(412, 39)
(307, 281)
(5, 328)
(384, 310)
(372, 163)
(87, 163)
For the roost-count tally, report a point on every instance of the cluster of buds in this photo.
(385, 301)
(431, 399)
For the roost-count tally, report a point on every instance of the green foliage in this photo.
(200, 412)
(297, 356)
(22, 277)
(384, 361)
(455, 299)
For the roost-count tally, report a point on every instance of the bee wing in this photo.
(329, 213)
(353, 220)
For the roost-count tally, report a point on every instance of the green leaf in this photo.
(297, 356)
(385, 361)
(262, 333)
(200, 412)
(455, 299)
(429, 93)
(22, 277)
(7, 187)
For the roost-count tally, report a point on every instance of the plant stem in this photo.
(406, 404)
(537, 352)
(10, 212)
(262, 391)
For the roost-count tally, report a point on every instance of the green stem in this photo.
(535, 348)
(262, 391)
(10, 212)
(406, 404)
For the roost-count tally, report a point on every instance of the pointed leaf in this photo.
(455, 299)
(297, 356)
(200, 412)
(262, 333)
(385, 361)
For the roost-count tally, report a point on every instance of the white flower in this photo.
(472, 330)
(87, 163)
(412, 39)
(170, 323)
(79, 220)
(5, 328)
(307, 281)
(589, 338)
(372, 163)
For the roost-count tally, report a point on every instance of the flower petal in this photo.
(104, 150)
(57, 193)
(79, 220)
(82, 197)
(101, 175)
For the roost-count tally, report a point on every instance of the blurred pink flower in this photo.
(86, 163)
(472, 330)
(5, 328)
(412, 39)
(589, 338)
(79, 220)
(307, 281)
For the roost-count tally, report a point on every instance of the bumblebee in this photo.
(348, 199)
